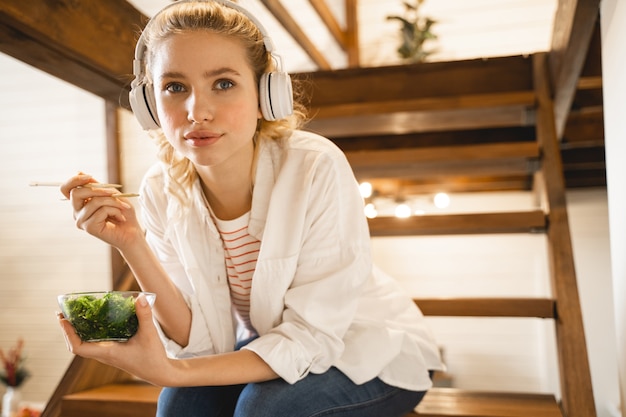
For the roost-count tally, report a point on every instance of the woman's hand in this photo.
(143, 355)
(100, 213)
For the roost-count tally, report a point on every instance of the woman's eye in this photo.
(224, 84)
(174, 88)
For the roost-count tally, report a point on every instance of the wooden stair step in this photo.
(515, 158)
(441, 402)
(488, 307)
(139, 399)
(128, 399)
(451, 224)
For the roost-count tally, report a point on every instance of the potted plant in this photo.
(13, 374)
(415, 31)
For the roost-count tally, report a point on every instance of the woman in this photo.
(255, 243)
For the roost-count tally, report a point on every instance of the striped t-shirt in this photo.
(241, 252)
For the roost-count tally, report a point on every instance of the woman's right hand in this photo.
(100, 213)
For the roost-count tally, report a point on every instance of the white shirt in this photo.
(316, 300)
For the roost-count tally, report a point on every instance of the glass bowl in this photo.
(103, 315)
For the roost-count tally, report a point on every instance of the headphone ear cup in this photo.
(143, 104)
(275, 95)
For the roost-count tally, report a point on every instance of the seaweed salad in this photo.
(110, 317)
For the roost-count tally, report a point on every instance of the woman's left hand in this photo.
(142, 356)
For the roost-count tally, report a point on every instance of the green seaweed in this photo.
(110, 317)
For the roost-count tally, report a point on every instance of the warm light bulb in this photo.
(441, 200)
(403, 211)
(366, 189)
(370, 211)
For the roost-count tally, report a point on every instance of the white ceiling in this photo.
(465, 29)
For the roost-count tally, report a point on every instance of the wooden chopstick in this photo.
(89, 185)
(124, 195)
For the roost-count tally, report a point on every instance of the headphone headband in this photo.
(140, 47)
(275, 95)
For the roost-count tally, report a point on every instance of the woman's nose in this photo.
(199, 108)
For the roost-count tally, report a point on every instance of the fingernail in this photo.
(142, 300)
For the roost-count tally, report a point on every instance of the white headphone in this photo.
(275, 90)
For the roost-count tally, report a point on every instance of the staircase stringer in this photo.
(575, 376)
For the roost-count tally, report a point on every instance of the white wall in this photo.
(495, 354)
(588, 211)
(49, 130)
(613, 22)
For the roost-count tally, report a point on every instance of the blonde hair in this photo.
(216, 18)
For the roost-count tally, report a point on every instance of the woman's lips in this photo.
(201, 138)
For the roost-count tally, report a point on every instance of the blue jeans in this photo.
(328, 394)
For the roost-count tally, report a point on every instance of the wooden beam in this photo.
(292, 27)
(119, 268)
(480, 223)
(574, 25)
(88, 43)
(352, 34)
(348, 37)
(330, 21)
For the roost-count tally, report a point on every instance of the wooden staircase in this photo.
(89, 388)
(564, 306)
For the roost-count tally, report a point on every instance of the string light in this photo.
(441, 200)
(366, 189)
(403, 211)
(370, 211)
(383, 205)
